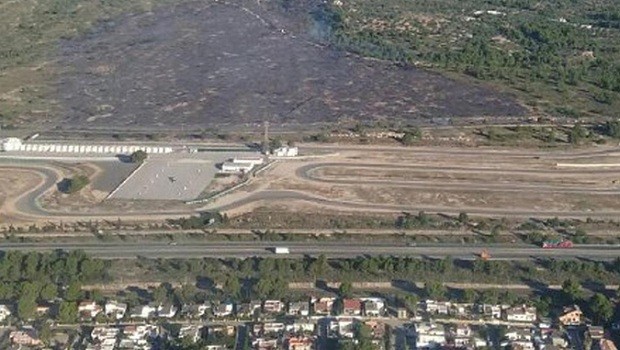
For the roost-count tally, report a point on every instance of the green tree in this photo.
(411, 136)
(67, 312)
(435, 290)
(577, 134)
(232, 287)
(138, 157)
(572, 290)
(49, 291)
(612, 128)
(73, 292)
(345, 290)
(602, 308)
(76, 183)
(26, 306)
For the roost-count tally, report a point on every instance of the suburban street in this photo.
(243, 249)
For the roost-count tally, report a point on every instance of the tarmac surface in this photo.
(174, 176)
(244, 249)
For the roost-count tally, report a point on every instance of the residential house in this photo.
(352, 307)
(103, 338)
(607, 344)
(194, 311)
(223, 309)
(143, 311)
(299, 343)
(402, 313)
(377, 329)
(25, 337)
(436, 307)
(272, 327)
(300, 327)
(373, 307)
(346, 327)
(299, 308)
(273, 306)
(571, 316)
(167, 311)
(265, 344)
(324, 306)
(190, 332)
(115, 309)
(43, 309)
(429, 335)
(492, 311)
(521, 313)
(596, 332)
(89, 309)
(5, 312)
(460, 309)
(518, 339)
(557, 339)
(461, 335)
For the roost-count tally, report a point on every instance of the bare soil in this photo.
(208, 64)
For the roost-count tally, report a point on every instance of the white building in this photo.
(286, 152)
(115, 309)
(143, 311)
(231, 167)
(89, 309)
(429, 335)
(521, 313)
(5, 312)
(167, 311)
(251, 160)
(10, 144)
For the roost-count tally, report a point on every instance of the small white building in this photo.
(143, 311)
(521, 313)
(231, 167)
(5, 312)
(286, 152)
(167, 311)
(430, 335)
(89, 309)
(115, 309)
(10, 144)
(251, 160)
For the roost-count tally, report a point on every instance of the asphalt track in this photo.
(28, 204)
(242, 249)
(308, 172)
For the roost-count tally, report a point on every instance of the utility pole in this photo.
(266, 137)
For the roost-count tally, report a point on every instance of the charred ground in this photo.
(205, 64)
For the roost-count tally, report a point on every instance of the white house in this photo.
(5, 312)
(115, 309)
(89, 309)
(521, 313)
(167, 311)
(10, 144)
(223, 310)
(143, 311)
(430, 335)
(299, 308)
(286, 152)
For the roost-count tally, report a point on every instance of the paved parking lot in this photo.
(173, 176)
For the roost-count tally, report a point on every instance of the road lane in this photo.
(129, 250)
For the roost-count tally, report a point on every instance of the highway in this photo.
(244, 249)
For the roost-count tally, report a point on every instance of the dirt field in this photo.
(207, 64)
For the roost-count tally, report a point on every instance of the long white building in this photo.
(13, 144)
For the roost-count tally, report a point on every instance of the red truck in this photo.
(557, 243)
